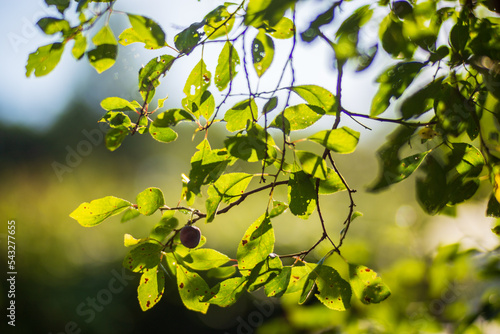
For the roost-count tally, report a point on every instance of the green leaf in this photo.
(284, 29)
(253, 146)
(270, 105)
(197, 82)
(192, 288)
(397, 171)
(322, 19)
(332, 184)
(205, 259)
(161, 131)
(298, 117)
(256, 244)
(228, 188)
(144, 256)
(221, 272)
(493, 209)
(459, 36)
(260, 12)
(227, 292)
(116, 119)
(93, 213)
(453, 110)
(367, 286)
(129, 214)
(61, 5)
(144, 30)
(393, 40)
(239, 114)
(264, 272)
(44, 59)
(422, 101)
(342, 140)
(187, 39)
(298, 277)
(301, 195)
(151, 287)
(104, 55)
(129, 240)
(334, 292)
(150, 74)
(226, 66)
(51, 25)
(393, 169)
(393, 82)
(79, 47)
(450, 180)
(278, 285)
(262, 52)
(204, 107)
(115, 136)
(149, 200)
(218, 22)
(117, 104)
(164, 227)
(317, 96)
(312, 164)
(278, 209)
(206, 167)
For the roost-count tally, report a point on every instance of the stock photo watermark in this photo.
(92, 305)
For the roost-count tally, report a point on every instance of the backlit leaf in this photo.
(151, 287)
(226, 66)
(104, 55)
(150, 74)
(93, 213)
(342, 140)
(218, 22)
(332, 184)
(205, 259)
(115, 136)
(44, 59)
(298, 117)
(143, 256)
(144, 30)
(149, 200)
(239, 114)
(192, 288)
(301, 195)
(227, 292)
(117, 104)
(187, 39)
(334, 291)
(228, 188)
(278, 285)
(262, 52)
(256, 245)
(317, 96)
(312, 164)
(367, 286)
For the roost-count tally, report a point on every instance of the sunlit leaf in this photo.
(298, 117)
(187, 39)
(262, 52)
(51, 25)
(332, 184)
(150, 74)
(226, 189)
(93, 213)
(164, 227)
(205, 259)
(264, 272)
(116, 119)
(115, 136)
(256, 245)
(312, 164)
(192, 288)
(226, 66)
(283, 29)
(301, 195)
(144, 30)
(79, 47)
(161, 129)
(342, 140)
(317, 96)
(129, 214)
(149, 200)
(334, 291)
(143, 256)
(44, 59)
(218, 22)
(227, 292)
(151, 287)
(367, 286)
(278, 285)
(239, 114)
(104, 55)
(117, 104)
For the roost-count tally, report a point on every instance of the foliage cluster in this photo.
(451, 47)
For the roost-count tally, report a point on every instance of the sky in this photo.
(36, 102)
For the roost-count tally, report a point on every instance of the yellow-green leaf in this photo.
(93, 213)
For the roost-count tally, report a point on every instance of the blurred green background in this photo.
(443, 271)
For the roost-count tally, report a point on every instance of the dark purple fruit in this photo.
(190, 236)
